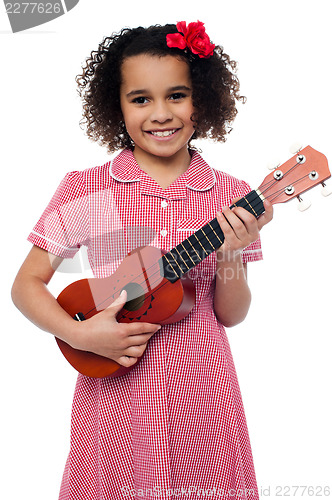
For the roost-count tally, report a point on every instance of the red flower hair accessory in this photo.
(192, 37)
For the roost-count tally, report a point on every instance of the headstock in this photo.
(303, 171)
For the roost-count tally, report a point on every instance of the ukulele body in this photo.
(150, 298)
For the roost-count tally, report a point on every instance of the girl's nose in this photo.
(161, 113)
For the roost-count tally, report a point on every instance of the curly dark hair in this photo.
(215, 86)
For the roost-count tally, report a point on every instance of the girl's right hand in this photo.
(103, 335)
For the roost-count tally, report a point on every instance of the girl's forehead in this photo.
(149, 68)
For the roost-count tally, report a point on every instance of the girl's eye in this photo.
(178, 95)
(140, 100)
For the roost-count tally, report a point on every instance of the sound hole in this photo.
(135, 296)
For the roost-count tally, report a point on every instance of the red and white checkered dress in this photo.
(174, 427)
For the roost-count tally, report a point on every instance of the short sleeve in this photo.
(253, 252)
(63, 226)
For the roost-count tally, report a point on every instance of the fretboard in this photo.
(203, 242)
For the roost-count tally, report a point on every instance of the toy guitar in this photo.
(158, 289)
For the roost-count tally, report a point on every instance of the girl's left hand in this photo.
(240, 227)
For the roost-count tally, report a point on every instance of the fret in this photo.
(170, 267)
(245, 203)
(251, 208)
(215, 231)
(181, 257)
(252, 202)
(187, 253)
(199, 242)
(206, 236)
(202, 234)
(192, 245)
(191, 251)
(183, 260)
(203, 242)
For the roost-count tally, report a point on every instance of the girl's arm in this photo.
(101, 334)
(232, 294)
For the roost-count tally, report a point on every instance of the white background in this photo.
(283, 350)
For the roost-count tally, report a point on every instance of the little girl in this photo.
(174, 426)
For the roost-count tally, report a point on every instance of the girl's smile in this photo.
(156, 103)
(163, 133)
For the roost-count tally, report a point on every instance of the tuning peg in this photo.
(295, 148)
(273, 165)
(303, 204)
(326, 190)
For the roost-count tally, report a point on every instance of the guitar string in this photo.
(211, 231)
(271, 196)
(277, 193)
(152, 284)
(275, 180)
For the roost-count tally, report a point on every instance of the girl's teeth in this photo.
(164, 134)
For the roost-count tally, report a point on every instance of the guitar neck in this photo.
(193, 250)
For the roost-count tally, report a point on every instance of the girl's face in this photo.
(156, 103)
